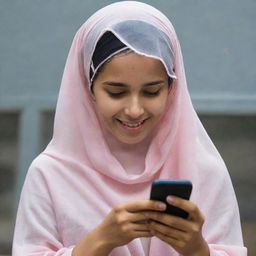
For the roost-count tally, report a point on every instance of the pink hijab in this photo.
(75, 182)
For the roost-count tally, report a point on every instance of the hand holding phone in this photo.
(160, 189)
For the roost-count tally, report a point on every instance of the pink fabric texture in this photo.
(76, 181)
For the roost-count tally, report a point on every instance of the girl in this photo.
(124, 118)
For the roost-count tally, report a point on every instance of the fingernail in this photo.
(170, 199)
(161, 206)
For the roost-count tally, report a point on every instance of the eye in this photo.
(154, 93)
(115, 94)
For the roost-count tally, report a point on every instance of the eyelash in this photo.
(120, 94)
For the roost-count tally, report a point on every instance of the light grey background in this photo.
(217, 37)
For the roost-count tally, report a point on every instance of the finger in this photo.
(138, 234)
(143, 205)
(138, 217)
(137, 230)
(141, 227)
(188, 206)
(131, 217)
(167, 231)
(171, 241)
(170, 220)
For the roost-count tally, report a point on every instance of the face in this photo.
(130, 94)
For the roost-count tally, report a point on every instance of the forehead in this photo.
(133, 66)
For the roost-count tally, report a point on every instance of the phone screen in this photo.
(160, 189)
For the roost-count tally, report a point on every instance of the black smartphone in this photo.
(160, 189)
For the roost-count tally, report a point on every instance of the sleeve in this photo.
(36, 232)
(223, 250)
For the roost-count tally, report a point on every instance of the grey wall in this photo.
(218, 40)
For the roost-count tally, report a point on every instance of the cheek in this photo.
(106, 109)
(157, 107)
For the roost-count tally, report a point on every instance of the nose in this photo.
(134, 108)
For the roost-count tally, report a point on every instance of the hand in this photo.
(184, 235)
(124, 223)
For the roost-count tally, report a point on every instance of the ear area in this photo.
(170, 82)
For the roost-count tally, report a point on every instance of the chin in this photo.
(130, 141)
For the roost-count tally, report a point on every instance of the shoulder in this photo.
(38, 176)
(38, 167)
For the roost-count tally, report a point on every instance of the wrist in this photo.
(104, 247)
(202, 251)
(93, 244)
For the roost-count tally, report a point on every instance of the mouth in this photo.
(132, 125)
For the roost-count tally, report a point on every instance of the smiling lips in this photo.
(132, 125)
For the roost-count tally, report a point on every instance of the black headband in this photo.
(107, 45)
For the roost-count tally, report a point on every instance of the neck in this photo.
(131, 156)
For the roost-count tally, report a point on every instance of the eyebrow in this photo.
(118, 84)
